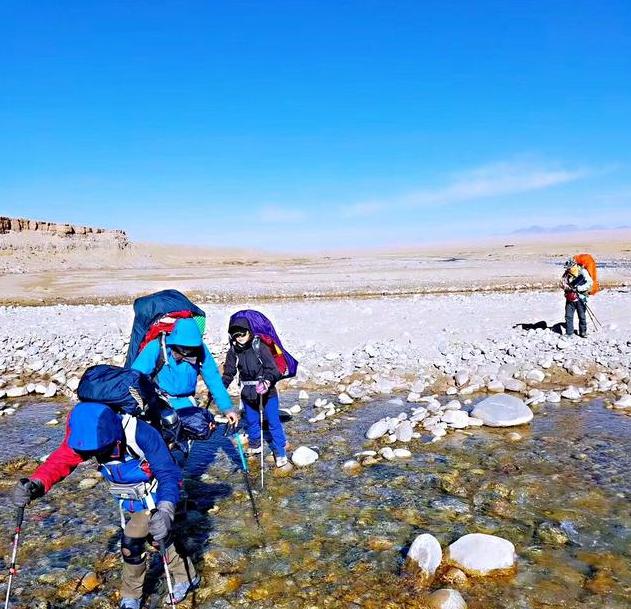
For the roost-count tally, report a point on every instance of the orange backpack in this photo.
(587, 261)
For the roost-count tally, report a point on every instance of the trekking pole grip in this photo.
(19, 518)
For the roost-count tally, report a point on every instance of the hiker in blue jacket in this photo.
(143, 477)
(176, 360)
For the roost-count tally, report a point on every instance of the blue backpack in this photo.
(124, 390)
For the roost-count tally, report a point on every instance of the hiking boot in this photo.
(181, 589)
(281, 461)
(130, 603)
(254, 450)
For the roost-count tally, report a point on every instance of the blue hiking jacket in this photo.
(179, 378)
(94, 427)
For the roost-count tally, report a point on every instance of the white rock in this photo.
(495, 386)
(16, 392)
(52, 422)
(475, 422)
(378, 429)
(413, 397)
(72, 383)
(295, 409)
(536, 375)
(453, 405)
(461, 378)
(387, 453)
(571, 393)
(30, 388)
(40, 389)
(9, 411)
(418, 387)
(303, 395)
(623, 402)
(451, 390)
(304, 456)
(502, 411)
(332, 356)
(319, 417)
(351, 465)
(514, 385)
(553, 397)
(345, 399)
(402, 453)
(457, 419)
(481, 554)
(446, 598)
(427, 554)
(404, 431)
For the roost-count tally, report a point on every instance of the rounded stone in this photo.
(446, 599)
(304, 456)
(502, 411)
(426, 554)
(481, 554)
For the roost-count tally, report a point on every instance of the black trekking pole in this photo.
(230, 430)
(593, 315)
(167, 572)
(16, 540)
(262, 451)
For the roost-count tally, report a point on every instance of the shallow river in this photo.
(561, 494)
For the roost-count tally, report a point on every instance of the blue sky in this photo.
(306, 125)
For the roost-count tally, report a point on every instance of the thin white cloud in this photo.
(498, 179)
(274, 214)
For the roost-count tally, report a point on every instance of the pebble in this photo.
(446, 599)
(402, 453)
(345, 399)
(571, 393)
(378, 429)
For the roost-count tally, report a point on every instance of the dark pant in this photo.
(578, 306)
(272, 416)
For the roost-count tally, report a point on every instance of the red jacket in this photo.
(59, 464)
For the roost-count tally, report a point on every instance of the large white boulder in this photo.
(481, 554)
(426, 555)
(502, 411)
(304, 456)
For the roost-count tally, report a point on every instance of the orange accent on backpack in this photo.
(587, 261)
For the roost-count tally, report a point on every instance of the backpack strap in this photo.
(130, 425)
(256, 345)
(163, 357)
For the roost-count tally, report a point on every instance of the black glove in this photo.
(25, 491)
(161, 521)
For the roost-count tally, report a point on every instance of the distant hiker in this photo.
(143, 478)
(577, 284)
(258, 375)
